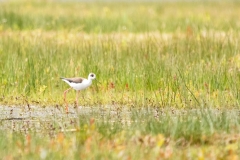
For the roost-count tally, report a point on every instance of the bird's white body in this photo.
(79, 83)
(79, 86)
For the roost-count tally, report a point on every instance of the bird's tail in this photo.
(63, 79)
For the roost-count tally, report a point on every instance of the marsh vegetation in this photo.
(168, 80)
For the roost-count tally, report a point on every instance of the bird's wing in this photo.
(74, 80)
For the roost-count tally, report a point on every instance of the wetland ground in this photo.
(168, 80)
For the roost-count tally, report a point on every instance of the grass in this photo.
(105, 17)
(182, 67)
(172, 134)
(180, 59)
(172, 72)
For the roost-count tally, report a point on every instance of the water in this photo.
(54, 119)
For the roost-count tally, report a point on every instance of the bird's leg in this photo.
(77, 98)
(65, 93)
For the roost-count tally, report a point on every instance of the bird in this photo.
(77, 83)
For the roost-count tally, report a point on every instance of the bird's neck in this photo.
(89, 80)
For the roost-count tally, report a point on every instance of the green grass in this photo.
(179, 56)
(108, 17)
(188, 62)
(169, 72)
(212, 134)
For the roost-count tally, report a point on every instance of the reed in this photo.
(175, 65)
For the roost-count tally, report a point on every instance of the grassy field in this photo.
(176, 56)
(169, 134)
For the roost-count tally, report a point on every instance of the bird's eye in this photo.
(92, 75)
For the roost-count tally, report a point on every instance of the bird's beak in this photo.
(97, 81)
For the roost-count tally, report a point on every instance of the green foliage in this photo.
(183, 67)
(179, 59)
(147, 133)
(105, 17)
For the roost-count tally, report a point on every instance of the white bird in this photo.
(78, 84)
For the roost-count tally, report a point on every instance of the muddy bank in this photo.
(38, 119)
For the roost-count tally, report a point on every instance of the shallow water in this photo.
(36, 118)
(39, 119)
